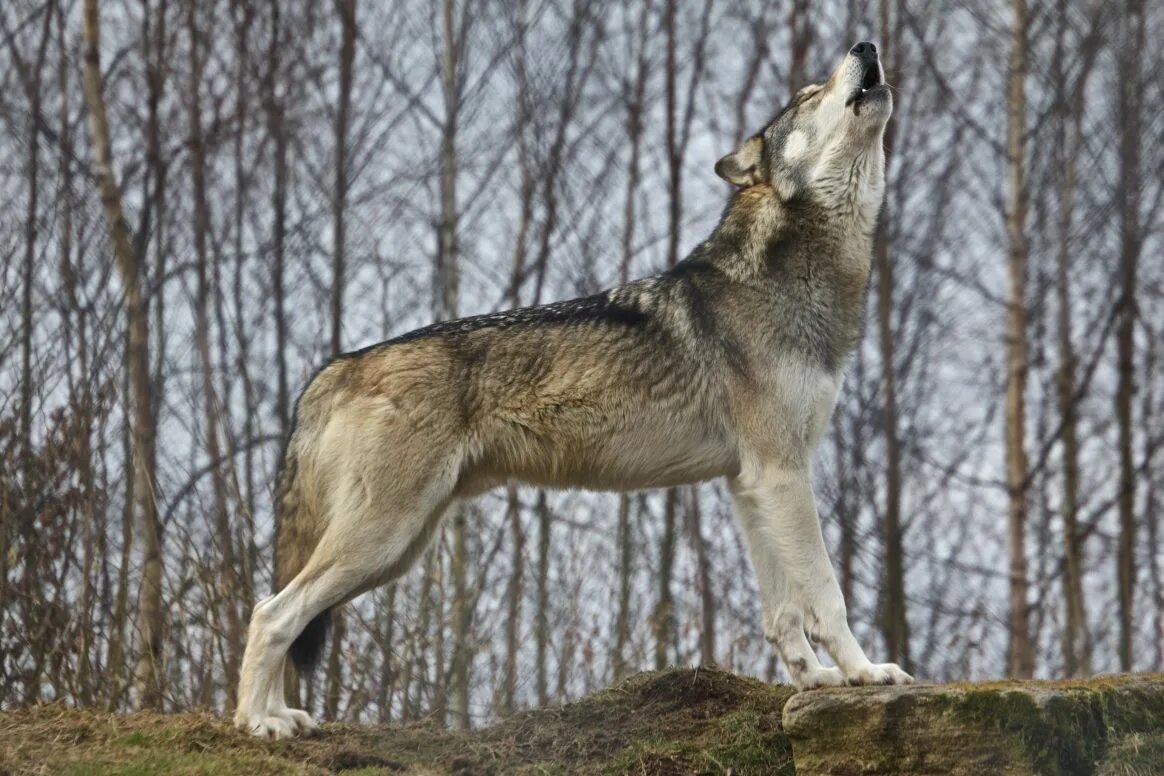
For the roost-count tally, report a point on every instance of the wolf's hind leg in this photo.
(367, 542)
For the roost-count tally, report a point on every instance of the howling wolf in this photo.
(727, 365)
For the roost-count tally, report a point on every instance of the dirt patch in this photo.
(352, 760)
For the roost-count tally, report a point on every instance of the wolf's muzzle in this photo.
(866, 54)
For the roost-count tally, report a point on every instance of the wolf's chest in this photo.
(801, 397)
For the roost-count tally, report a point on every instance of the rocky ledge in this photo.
(1107, 726)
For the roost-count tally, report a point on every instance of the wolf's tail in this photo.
(301, 518)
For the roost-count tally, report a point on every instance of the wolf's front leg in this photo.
(783, 623)
(801, 593)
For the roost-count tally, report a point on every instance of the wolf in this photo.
(727, 365)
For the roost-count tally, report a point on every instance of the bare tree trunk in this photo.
(662, 621)
(569, 642)
(674, 151)
(1076, 643)
(541, 623)
(513, 598)
(703, 577)
(1129, 113)
(525, 169)
(244, 18)
(1020, 661)
(30, 545)
(150, 611)
(117, 647)
(277, 127)
(1075, 646)
(846, 514)
(93, 533)
(800, 33)
(387, 684)
(462, 622)
(625, 560)
(228, 569)
(347, 14)
(447, 279)
(447, 288)
(894, 626)
(417, 666)
(1151, 515)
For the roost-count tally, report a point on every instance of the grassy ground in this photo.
(672, 722)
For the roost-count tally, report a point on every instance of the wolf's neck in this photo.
(851, 190)
(811, 266)
(761, 238)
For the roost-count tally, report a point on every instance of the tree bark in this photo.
(1020, 659)
(625, 570)
(703, 579)
(1151, 513)
(447, 277)
(347, 13)
(277, 127)
(30, 545)
(231, 581)
(541, 622)
(151, 614)
(513, 596)
(1076, 643)
(244, 17)
(1131, 41)
(663, 621)
(894, 626)
(800, 34)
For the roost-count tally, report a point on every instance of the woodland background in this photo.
(200, 206)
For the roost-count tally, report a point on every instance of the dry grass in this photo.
(672, 722)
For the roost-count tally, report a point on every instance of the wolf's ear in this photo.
(742, 166)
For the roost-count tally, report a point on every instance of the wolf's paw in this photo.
(266, 726)
(277, 723)
(303, 722)
(879, 673)
(816, 678)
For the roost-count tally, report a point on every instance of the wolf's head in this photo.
(826, 145)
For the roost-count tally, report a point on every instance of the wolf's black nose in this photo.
(865, 50)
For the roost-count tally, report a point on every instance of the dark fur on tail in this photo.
(306, 650)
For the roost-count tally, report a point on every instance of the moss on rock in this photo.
(1044, 728)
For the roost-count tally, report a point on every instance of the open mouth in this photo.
(870, 82)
